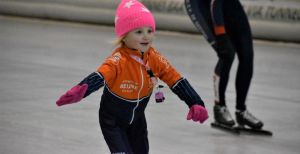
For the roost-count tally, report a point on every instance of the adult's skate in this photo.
(247, 123)
(223, 119)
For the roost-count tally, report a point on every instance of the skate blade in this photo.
(225, 128)
(253, 131)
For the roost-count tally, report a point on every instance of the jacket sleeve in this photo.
(164, 70)
(109, 68)
(104, 74)
(217, 15)
(186, 92)
(94, 81)
(180, 86)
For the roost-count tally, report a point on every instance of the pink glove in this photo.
(197, 113)
(73, 95)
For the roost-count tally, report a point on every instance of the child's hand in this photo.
(73, 95)
(197, 113)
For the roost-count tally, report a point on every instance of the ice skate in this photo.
(254, 126)
(222, 116)
(245, 118)
(223, 120)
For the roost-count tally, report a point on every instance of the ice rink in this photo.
(40, 60)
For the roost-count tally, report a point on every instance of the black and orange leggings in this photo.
(238, 29)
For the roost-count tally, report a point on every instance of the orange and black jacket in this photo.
(127, 84)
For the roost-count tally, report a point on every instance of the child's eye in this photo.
(149, 31)
(139, 32)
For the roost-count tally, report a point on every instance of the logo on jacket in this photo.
(115, 58)
(128, 86)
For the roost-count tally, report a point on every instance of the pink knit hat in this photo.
(130, 15)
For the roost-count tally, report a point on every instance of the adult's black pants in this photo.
(238, 29)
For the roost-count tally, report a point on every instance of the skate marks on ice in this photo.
(241, 130)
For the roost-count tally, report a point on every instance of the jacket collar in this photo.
(135, 52)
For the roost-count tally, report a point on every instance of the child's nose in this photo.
(146, 35)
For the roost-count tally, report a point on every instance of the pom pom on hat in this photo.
(130, 15)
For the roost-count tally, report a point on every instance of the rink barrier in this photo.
(272, 20)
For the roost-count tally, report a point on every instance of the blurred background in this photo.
(270, 19)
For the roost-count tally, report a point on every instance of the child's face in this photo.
(139, 39)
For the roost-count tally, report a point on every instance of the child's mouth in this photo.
(144, 44)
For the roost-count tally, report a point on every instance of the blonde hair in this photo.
(119, 41)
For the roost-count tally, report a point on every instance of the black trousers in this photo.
(123, 138)
(238, 29)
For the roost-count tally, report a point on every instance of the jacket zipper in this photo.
(138, 100)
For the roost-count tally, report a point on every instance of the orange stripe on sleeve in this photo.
(219, 30)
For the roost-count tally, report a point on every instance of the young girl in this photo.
(129, 76)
